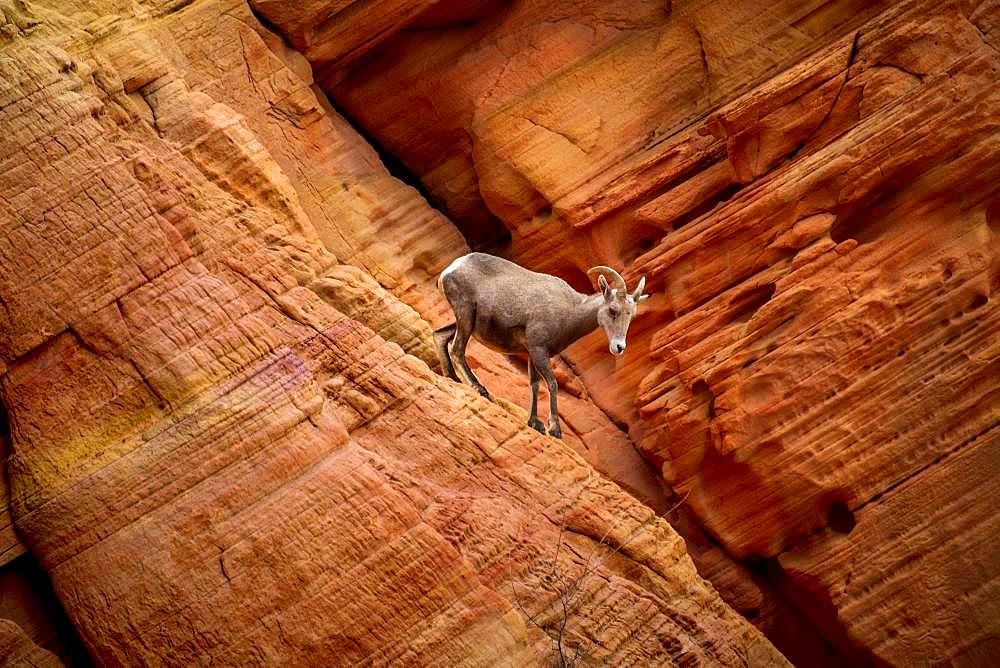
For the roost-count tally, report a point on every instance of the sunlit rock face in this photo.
(227, 443)
(811, 190)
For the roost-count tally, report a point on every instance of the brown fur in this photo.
(513, 310)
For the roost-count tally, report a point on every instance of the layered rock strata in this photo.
(222, 449)
(811, 191)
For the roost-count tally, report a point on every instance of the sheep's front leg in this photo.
(540, 362)
(533, 420)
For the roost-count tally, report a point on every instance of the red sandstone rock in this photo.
(212, 458)
(551, 118)
(17, 649)
(11, 546)
(333, 33)
(811, 192)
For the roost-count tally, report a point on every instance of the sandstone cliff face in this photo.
(811, 190)
(226, 443)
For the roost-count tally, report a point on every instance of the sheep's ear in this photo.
(602, 283)
(637, 296)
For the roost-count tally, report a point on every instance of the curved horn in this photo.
(616, 278)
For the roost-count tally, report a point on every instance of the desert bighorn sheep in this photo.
(512, 310)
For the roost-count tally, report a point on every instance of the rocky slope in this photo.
(226, 443)
(811, 190)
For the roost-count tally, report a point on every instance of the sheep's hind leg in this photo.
(441, 339)
(540, 361)
(462, 333)
(533, 420)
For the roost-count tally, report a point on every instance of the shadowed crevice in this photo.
(27, 598)
(481, 235)
(840, 518)
(747, 304)
(851, 57)
(706, 206)
(26, 594)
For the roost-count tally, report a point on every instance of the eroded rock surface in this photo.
(17, 649)
(222, 449)
(811, 190)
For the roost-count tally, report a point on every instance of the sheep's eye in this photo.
(614, 312)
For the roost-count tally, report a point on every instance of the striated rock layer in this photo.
(17, 649)
(226, 444)
(811, 190)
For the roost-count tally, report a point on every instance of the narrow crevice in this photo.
(706, 206)
(703, 395)
(5, 434)
(703, 56)
(779, 616)
(482, 235)
(747, 304)
(493, 236)
(851, 57)
(26, 594)
(273, 29)
(816, 607)
(222, 564)
(395, 166)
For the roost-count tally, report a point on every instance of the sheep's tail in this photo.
(455, 264)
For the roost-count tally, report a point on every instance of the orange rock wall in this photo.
(811, 190)
(226, 444)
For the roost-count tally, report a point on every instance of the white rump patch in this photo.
(455, 264)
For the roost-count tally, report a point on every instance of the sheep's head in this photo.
(616, 313)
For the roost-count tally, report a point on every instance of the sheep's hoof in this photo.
(537, 426)
(555, 433)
